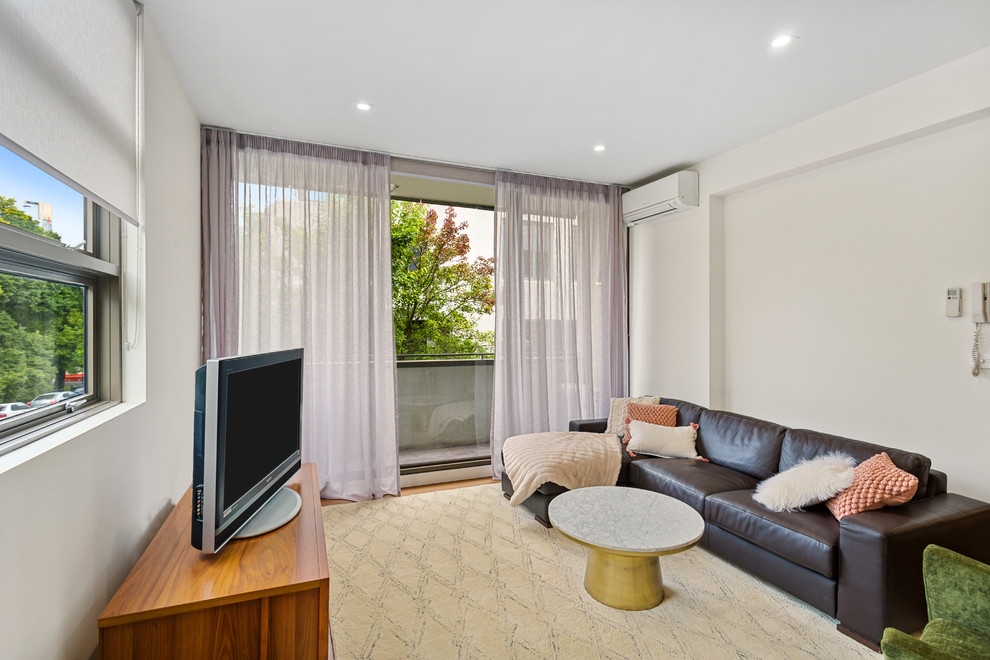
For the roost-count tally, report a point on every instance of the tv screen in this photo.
(259, 435)
(247, 444)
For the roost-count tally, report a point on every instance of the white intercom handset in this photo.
(981, 314)
(981, 302)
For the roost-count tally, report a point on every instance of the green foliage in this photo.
(436, 291)
(42, 336)
(26, 358)
(42, 325)
(11, 215)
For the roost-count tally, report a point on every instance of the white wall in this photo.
(76, 518)
(825, 251)
(668, 308)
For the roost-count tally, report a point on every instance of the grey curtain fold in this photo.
(218, 267)
(561, 312)
(297, 253)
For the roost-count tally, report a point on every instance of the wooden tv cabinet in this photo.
(265, 597)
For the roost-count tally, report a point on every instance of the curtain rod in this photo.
(418, 159)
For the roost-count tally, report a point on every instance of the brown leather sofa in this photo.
(864, 570)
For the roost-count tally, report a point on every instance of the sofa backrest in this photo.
(802, 444)
(687, 412)
(742, 443)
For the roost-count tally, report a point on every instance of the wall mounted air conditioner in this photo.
(664, 197)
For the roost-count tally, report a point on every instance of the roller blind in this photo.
(68, 93)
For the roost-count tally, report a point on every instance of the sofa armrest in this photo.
(938, 483)
(588, 425)
(880, 559)
(897, 645)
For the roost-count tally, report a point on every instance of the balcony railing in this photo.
(445, 411)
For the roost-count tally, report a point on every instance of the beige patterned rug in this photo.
(461, 574)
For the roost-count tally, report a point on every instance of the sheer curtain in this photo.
(297, 252)
(560, 305)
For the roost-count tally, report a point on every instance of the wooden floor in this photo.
(429, 488)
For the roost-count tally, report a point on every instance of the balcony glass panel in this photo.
(445, 411)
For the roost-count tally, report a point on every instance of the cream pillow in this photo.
(664, 441)
(809, 482)
(620, 410)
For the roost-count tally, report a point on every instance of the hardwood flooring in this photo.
(428, 488)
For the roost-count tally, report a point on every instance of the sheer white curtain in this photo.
(560, 305)
(297, 253)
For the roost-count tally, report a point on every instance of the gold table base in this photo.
(623, 581)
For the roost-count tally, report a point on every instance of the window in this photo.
(443, 298)
(443, 304)
(59, 303)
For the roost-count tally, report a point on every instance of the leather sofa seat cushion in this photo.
(687, 413)
(687, 479)
(802, 444)
(742, 443)
(808, 538)
(550, 488)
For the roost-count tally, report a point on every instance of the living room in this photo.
(807, 288)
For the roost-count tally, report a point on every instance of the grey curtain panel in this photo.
(219, 264)
(297, 253)
(560, 295)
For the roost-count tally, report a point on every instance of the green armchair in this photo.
(957, 590)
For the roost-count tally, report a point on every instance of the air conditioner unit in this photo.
(664, 197)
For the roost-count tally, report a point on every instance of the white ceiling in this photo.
(533, 85)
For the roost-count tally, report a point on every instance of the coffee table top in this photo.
(628, 520)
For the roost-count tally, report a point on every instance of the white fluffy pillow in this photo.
(809, 482)
(665, 441)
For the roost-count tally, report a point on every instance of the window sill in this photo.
(59, 433)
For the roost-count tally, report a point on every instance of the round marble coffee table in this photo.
(626, 530)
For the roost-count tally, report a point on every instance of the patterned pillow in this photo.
(878, 483)
(651, 414)
(617, 415)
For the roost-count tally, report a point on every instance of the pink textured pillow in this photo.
(661, 415)
(878, 483)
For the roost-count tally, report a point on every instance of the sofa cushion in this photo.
(661, 414)
(742, 443)
(878, 483)
(687, 479)
(687, 413)
(550, 488)
(803, 444)
(620, 411)
(663, 441)
(808, 538)
(809, 482)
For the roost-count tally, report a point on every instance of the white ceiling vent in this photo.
(664, 197)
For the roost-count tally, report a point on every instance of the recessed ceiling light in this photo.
(600, 147)
(782, 40)
(364, 106)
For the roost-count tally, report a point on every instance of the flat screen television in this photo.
(246, 445)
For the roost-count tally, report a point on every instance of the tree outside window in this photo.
(438, 294)
(42, 325)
